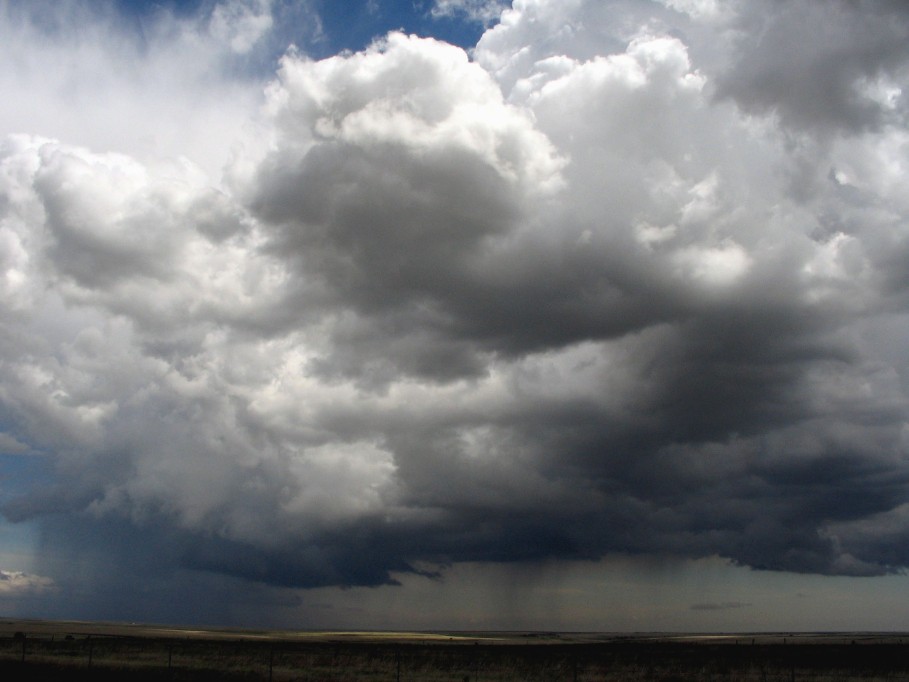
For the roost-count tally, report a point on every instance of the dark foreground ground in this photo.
(31, 650)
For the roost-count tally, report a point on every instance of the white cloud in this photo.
(171, 93)
(19, 584)
(718, 266)
(241, 23)
(706, 10)
(482, 11)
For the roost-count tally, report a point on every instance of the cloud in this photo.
(17, 584)
(481, 11)
(423, 150)
(602, 288)
(241, 24)
(11, 446)
(712, 606)
(848, 77)
(170, 87)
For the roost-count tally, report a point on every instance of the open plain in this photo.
(106, 651)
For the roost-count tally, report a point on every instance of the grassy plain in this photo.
(107, 651)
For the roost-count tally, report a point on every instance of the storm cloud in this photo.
(628, 277)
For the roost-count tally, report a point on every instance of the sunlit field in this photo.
(101, 651)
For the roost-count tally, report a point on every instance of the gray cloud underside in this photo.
(629, 288)
(712, 606)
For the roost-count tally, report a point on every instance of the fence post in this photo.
(91, 646)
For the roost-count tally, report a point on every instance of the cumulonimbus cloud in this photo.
(614, 290)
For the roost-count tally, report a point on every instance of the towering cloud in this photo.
(614, 282)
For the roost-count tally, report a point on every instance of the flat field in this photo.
(106, 651)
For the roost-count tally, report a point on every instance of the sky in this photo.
(456, 314)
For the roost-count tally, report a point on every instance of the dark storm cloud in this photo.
(836, 79)
(558, 302)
